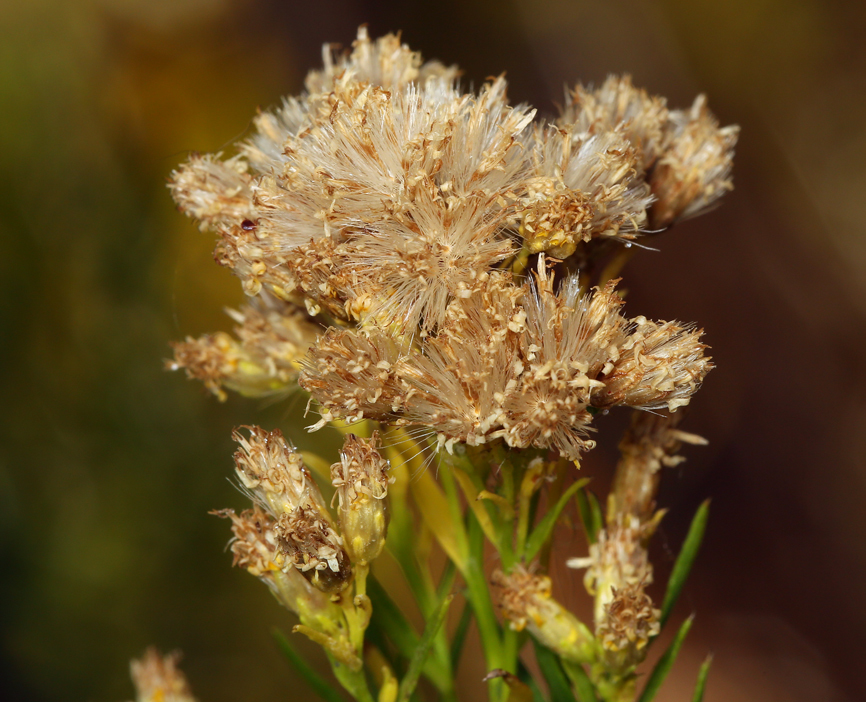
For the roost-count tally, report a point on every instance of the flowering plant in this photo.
(437, 270)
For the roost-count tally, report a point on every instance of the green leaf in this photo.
(318, 684)
(410, 680)
(524, 674)
(460, 632)
(582, 684)
(703, 674)
(542, 532)
(390, 620)
(590, 514)
(665, 663)
(557, 683)
(685, 559)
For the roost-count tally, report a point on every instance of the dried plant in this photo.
(437, 270)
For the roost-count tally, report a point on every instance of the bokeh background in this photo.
(108, 464)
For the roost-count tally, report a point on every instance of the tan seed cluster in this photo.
(630, 622)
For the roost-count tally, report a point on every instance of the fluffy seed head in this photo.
(662, 364)
(272, 337)
(694, 170)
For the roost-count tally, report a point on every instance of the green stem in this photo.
(352, 680)
(482, 606)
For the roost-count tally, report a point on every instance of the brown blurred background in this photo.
(108, 464)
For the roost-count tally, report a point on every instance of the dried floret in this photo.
(361, 479)
(695, 168)
(272, 338)
(525, 600)
(308, 542)
(274, 474)
(661, 364)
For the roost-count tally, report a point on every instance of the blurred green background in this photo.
(108, 464)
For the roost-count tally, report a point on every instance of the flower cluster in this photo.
(399, 213)
(437, 269)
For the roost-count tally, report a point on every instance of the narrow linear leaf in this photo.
(685, 560)
(590, 514)
(477, 506)
(524, 674)
(436, 513)
(595, 514)
(582, 684)
(665, 663)
(459, 637)
(557, 683)
(393, 623)
(542, 532)
(703, 674)
(316, 682)
(410, 680)
(585, 514)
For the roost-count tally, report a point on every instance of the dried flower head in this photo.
(661, 364)
(617, 559)
(583, 186)
(216, 193)
(385, 62)
(306, 540)
(695, 168)
(619, 105)
(272, 338)
(274, 473)
(526, 601)
(630, 621)
(361, 479)
(158, 679)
